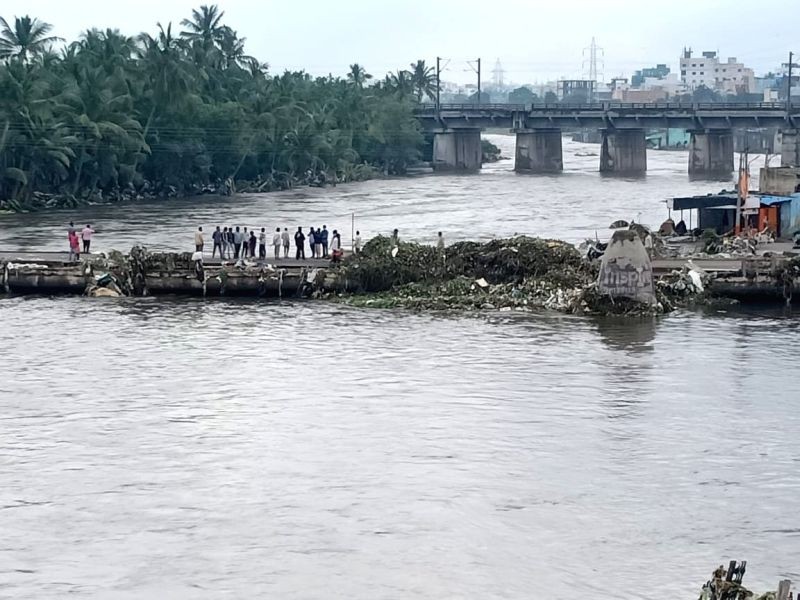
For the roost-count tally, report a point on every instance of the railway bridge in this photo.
(457, 127)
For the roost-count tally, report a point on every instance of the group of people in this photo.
(237, 242)
(320, 242)
(75, 238)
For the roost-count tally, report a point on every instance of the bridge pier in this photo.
(790, 148)
(457, 150)
(538, 151)
(711, 153)
(624, 152)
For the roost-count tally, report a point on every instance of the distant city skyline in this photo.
(536, 42)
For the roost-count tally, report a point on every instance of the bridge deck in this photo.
(623, 115)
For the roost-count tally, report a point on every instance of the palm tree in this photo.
(400, 83)
(204, 26)
(232, 48)
(176, 111)
(358, 75)
(99, 118)
(27, 39)
(165, 68)
(423, 79)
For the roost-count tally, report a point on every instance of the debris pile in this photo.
(384, 264)
(728, 246)
(516, 274)
(726, 584)
(722, 587)
(685, 286)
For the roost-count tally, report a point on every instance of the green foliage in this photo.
(489, 152)
(522, 95)
(503, 261)
(178, 112)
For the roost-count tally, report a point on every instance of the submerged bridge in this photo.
(538, 127)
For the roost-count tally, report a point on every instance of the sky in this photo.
(535, 40)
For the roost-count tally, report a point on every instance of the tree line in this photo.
(110, 116)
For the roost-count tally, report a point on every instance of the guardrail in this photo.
(609, 106)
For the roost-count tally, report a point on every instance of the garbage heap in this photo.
(514, 274)
(117, 274)
(726, 584)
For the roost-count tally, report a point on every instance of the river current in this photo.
(182, 449)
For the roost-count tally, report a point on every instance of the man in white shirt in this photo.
(198, 240)
(86, 236)
(262, 244)
(286, 242)
(237, 242)
(276, 243)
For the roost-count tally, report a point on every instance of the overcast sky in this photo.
(536, 40)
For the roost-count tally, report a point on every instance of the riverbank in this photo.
(39, 201)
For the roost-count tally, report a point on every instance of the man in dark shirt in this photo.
(299, 242)
(231, 240)
(217, 239)
(324, 236)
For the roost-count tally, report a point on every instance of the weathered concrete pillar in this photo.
(711, 153)
(538, 151)
(790, 148)
(457, 150)
(624, 152)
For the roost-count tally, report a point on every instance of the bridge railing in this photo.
(469, 106)
(609, 106)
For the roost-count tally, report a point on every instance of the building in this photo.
(782, 82)
(577, 90)
(658, 72)
(650, 89)
(624, 94)
(730, 77)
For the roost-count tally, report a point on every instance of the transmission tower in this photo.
(498, 74)
(596, 55)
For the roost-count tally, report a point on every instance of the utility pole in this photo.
(744, 189)
(438, 83)
(789, 89)
(479, 81)
(477, 68)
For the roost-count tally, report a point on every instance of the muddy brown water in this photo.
(184, 449)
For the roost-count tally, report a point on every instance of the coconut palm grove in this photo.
(184, 110)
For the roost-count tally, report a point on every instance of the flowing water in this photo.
(184, 449)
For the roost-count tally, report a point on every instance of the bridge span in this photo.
(538, 127)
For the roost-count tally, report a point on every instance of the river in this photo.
(185, 449)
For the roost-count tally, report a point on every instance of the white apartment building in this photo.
(707, 70)
(669, 83)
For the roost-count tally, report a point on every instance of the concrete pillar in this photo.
(539, 151)
(790, 148)
(711, 153)
(624, 152)
(457, 150)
